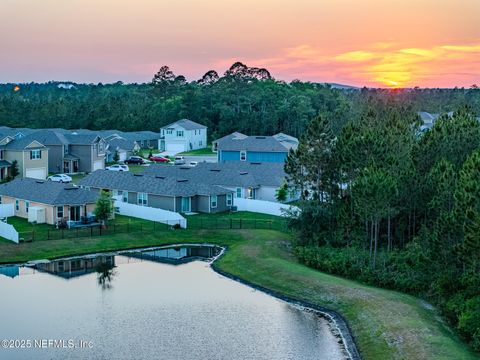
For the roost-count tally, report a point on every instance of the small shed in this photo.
(36, 214)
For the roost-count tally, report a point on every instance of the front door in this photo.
(186, 204)
(75, 213)
(66, 167)
(75, 166)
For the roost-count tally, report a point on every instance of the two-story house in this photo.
(239, 147)
(31, 157)
(183, 135)
(70, 153)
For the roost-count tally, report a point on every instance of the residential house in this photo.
(60, 202)
(239, 147)
(168, 193)
(70, 153)
(122, 147)
(88, 149)
(30, 154)
(145, 139)
(247, 180)
(183, 135)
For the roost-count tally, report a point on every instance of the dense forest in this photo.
(391, 206)
(243, 99)
(382, 202)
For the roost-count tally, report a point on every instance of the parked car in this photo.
(63, 178)
(117, 168)
(136, 160)
(193, 163)
(157, 158)
(179, 160)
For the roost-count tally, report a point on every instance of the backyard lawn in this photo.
(203, 151)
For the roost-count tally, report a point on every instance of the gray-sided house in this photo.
(183, 135)
(246, 179)
(164, 192)
(240, 147)
(30, 154)
(46, 201)
(70, 153)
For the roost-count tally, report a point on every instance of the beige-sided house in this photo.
(56, 202)
(30, 154)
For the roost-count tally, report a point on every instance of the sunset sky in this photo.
(387, 43)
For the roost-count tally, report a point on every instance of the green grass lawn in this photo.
(386, 324)
(204, 151)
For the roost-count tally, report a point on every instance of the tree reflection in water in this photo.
(105, 274)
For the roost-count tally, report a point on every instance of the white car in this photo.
(193, 163)
(63, 178)
(117, 168)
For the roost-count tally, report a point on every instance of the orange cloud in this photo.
(383, 64)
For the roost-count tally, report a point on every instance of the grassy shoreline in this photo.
(385, 324)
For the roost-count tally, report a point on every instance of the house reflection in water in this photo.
(178, 255)
(10, 271)
(70, 268)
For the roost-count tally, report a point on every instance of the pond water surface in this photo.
(151, 305)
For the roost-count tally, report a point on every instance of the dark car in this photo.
(159, 159)
(137, 160)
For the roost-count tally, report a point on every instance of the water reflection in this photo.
(154, 310)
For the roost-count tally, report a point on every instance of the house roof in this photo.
(255, 143)
(121, 143)
(50, 137)
(22, 143)
(81, 139)
(186, 124)
(47, 192)
(229, 173)
(151, 184)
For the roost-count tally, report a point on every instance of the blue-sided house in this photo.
(264, 149)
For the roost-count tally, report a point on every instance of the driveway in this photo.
(200, 158)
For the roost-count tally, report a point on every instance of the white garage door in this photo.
(36, 173)
(122, 156)
(97, 165)
(175, 148)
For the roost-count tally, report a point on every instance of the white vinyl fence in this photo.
(149, 213)
(6, 210)
(7, 231)
(263, 207)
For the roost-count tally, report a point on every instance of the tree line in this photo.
(389, 205)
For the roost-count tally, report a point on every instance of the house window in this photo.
(125, 197)
(199, 132)
(1, 154)
(59, 212)
(213, 201)
(200, 143)
(239, 192)
(195, 132)
(229, 199)
(243, 155)
(179, 133)
(100, 147)
(27, 205)
(65, 149)
(142, 199)
(169, 131)
(17, 205)
(35, 154)
(0, 199)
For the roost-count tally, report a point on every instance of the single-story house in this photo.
(60, 202)
(176, 194)
(239, 147)
(247, 180)
(183, 135)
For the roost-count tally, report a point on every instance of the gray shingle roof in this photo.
(81, 139)
(50, 137)
(120, 143)
(252, 143)
(22, 143)
(149, 183)
(229, 173)
(47, 192)
(186, 124)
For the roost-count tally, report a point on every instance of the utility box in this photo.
(36, 214)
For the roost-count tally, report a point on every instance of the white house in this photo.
(183, 135)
